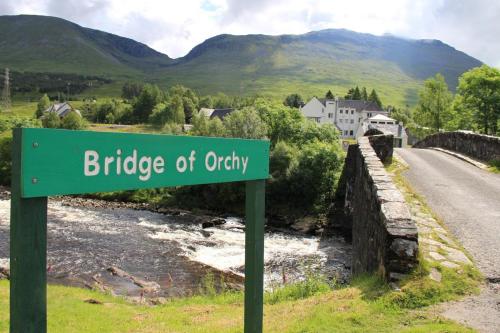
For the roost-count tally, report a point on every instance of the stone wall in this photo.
(481, 147)
(384, 237)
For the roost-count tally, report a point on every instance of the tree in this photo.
(72, 121)
(159, 116)
(357, 94)
(364, 94)
(463, 116)
(282, 123)
(176, 110)
(329, 95)
(404, 115)
(374, 98)
(207, 102)
(479, 91)
(434, 104)
(43, 104)
(131, 90)
(146, 101)
(245, 124)
(293, 101)
(353, 93)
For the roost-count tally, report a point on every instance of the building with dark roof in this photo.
(219, 113)
(62, 109)
(346, 115)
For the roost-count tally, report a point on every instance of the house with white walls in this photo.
(346, 115)
(385, 125)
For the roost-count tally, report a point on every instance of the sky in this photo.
(174, 27)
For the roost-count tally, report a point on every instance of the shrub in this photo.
(5, 161)
(73, 121)
(51, 120)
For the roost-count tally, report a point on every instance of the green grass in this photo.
(494, 166)
(368, 305)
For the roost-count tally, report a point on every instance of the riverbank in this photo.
(127, 249)
(365, 306)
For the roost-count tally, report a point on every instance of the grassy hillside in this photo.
(49, 44)
(314, 62)
(309, 64)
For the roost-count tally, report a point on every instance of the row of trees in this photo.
(475, 106)
(295, 100)
(362, 95)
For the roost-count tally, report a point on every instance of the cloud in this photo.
(176, 27)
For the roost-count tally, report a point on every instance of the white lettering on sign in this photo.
(229, 162)
(146, 164)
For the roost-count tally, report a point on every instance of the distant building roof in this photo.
(359, 105)
(62, 109)
(381, 117)
(219, 113)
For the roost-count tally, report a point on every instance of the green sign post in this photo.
(55, 162)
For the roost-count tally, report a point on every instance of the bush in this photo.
(15, 122)
(73, 121)
(51, 120)
(245, 124)
(5, 161)
(316, 175)
(312, 285)
(172, 128)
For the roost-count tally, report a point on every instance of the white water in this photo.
(287, 256)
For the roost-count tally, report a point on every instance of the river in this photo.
(136, 252)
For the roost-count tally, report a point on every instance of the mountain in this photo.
(317, 61)
(50, 44)
(309, 64)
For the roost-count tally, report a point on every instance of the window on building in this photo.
(346, 132)
(341, 111)
(341, 120)
(352, 121)
(352, 111)
(390, 123)
(351, 133)
(382, 122)
(330, 115)
(369, 114)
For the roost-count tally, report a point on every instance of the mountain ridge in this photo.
(309, 63)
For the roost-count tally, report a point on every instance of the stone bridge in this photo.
(466, 198)
(370, 208)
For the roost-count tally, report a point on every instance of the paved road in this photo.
(465, 197)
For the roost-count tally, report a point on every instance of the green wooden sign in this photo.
(53, 162)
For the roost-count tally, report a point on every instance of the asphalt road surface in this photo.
(465, 197)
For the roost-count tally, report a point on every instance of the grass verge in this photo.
(494, 166)
(368, 305)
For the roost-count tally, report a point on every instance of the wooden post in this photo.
(28, 253)
(254, 255)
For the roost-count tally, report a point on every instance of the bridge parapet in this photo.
(384, 236)
(482, 147)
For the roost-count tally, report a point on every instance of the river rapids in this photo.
(135, 252)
